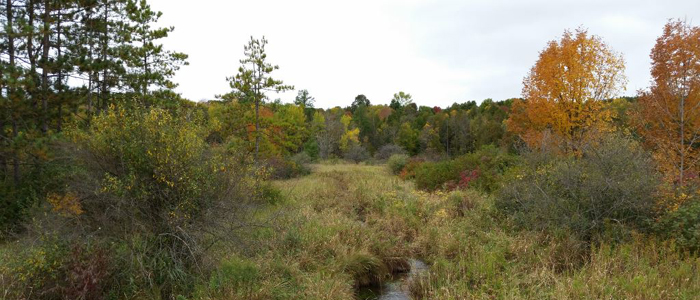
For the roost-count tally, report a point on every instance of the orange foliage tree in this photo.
(564, 90)
(668, 115)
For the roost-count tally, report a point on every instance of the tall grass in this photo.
(347, 226)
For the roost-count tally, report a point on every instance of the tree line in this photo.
(64, 61)
(138, 184)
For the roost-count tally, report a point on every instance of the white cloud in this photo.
(439, 51)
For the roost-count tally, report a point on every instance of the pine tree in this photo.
(149, 64)
(253, 81)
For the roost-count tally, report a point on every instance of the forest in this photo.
(114, 186)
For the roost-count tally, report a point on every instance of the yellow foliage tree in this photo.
(564, 90)
(668, 115)
(350, 137)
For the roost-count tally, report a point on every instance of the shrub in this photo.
(356, 154)
(612, 180)
(311, 148)
(148, 177)
(144, 163)
(409, 171)
(301, 158)
(461, 202)
(481, 169)
(432, 175)
(57, 268)
(15, 203)
(397, 162)
(281, 168)
(682, 225)
(270, 194)
(389, 150)
(42, 171)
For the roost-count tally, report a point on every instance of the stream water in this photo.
(397, 287)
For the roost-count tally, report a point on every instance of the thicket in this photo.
(144, 201)
(682, 225)
(481, 169)
(612, 181)
(387, 151)
(397, 162)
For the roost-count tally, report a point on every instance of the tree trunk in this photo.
(682, 134)
(448, 137)
(31, 89)
(45, 67)
(90, 105)
(144, 83)
(257, 129)
(105, 45)
(257, 100)
(3, 160)
(59, 109)
(11, 90)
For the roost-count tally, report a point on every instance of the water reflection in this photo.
(398, 287)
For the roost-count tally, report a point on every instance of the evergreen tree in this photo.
(253, 81)
(149, 64)
(304, 99)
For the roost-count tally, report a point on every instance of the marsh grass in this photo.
(347, 226)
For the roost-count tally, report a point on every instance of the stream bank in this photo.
(398, 287)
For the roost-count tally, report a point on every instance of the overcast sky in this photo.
(439, 51)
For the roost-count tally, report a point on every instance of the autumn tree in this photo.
(288, 130)
(564, 90)
(332, 131)
(253, 81)
(430, 139)
(407, 138)
(669, 112)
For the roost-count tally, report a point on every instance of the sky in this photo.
(439, 51)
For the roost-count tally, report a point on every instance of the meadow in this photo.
(347, 225)
(114, 186)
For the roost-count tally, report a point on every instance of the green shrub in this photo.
(152, 167)
(612, 180)
(15, 202)
(397, 162)
(682, 225)
(43, 170)
(311, 148)
(433, 175)
(147, 177)
(481, 169)
(269, 193)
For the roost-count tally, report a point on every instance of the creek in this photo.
(397, 288)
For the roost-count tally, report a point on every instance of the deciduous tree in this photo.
(669, 112)
(564, 90)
